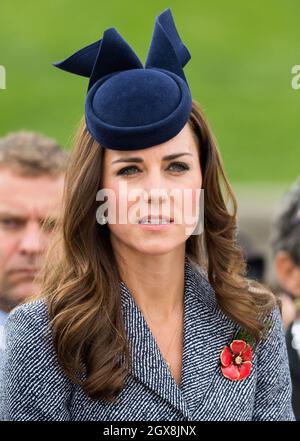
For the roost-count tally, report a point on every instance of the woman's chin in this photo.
(155, 247)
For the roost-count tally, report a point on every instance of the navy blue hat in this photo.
(129, 106)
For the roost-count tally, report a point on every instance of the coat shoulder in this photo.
(274, 387)
(33, 315)
(33, 384)
(27, 326)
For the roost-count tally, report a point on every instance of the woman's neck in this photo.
(155, 282)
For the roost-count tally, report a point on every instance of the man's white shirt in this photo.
(3, 317)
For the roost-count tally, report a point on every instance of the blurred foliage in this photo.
(240, 71)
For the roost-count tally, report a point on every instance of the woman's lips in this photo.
(157, 226)
(154, 219)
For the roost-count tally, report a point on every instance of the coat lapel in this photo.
(206, 332)
(148, 365)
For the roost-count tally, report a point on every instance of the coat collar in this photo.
(206, 331)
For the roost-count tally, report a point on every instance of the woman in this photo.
(135, 318)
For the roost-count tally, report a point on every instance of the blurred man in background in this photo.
(32, 171)
(286, 250)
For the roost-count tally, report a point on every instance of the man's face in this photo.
(25, 204)
(288, 273)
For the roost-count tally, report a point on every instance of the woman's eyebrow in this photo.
(165, 158)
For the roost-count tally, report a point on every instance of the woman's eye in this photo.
(126, 170)
(180, 166)
(130, 170)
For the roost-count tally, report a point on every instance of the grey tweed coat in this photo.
(34, 387)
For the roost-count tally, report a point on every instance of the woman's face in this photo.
(169, 174)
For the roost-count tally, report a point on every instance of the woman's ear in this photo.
(288, 273)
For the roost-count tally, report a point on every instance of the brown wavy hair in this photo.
(80, 277)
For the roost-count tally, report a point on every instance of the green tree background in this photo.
(240, 71)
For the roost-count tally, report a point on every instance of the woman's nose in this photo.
(156, 194)
(155, 186)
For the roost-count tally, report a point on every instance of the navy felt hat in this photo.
(129, 106)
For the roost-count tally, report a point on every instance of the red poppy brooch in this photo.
(236, 360)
